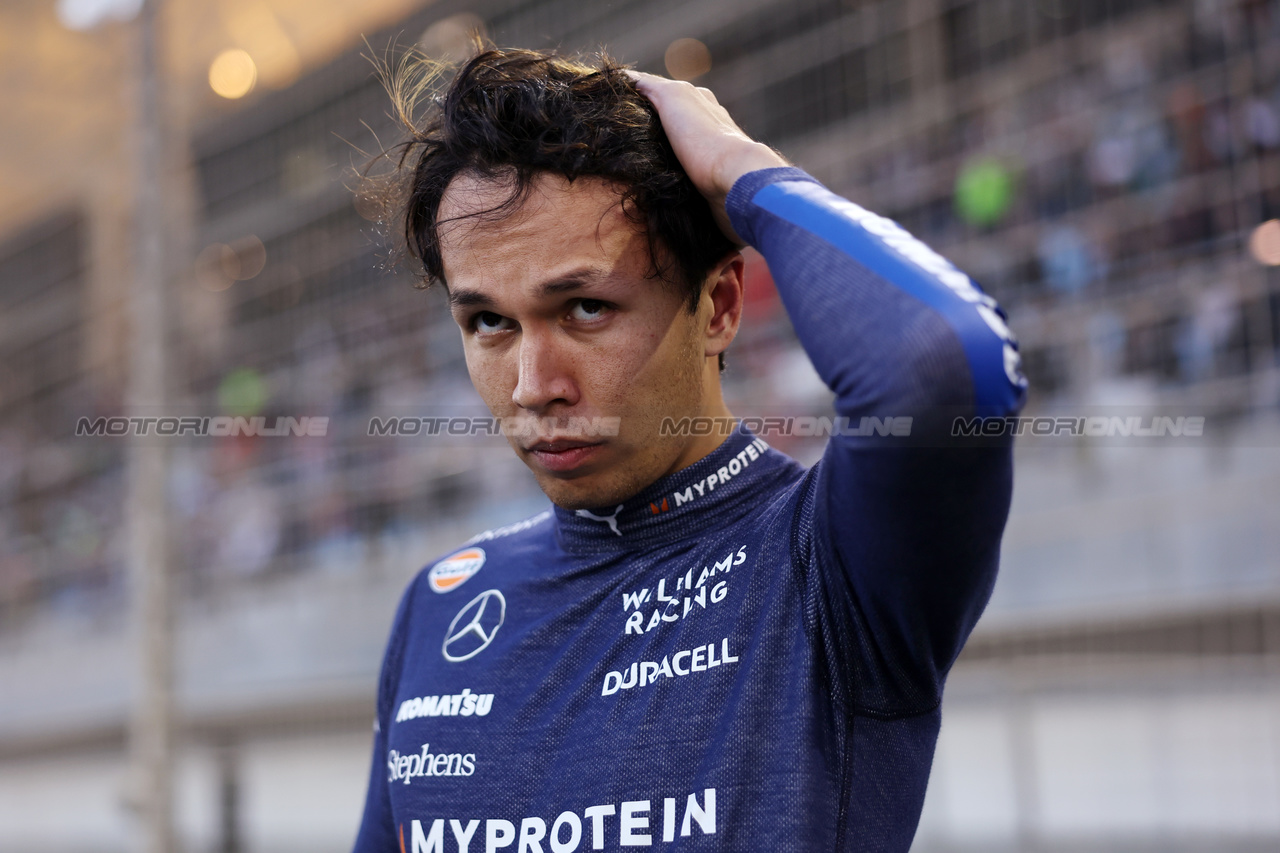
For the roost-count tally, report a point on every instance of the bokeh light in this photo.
(256, 27)
(87, 14)
(450, 38)
(984, 191)
(246, 259)
(219, 264)
(209, 267)
(242, 392)
(687, 59)
(233, 73)
(1264, 243)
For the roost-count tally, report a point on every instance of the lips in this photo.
(560, 444)
(562, 456)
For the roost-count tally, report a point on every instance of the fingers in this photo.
(649, 83)
(710, 146)
(642, 79)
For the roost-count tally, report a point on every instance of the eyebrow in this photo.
(462, 298)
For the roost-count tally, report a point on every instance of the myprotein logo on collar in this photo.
(723, 474)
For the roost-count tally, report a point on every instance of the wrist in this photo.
(750, 158)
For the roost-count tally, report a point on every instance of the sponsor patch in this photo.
(637, 823)
(475, 626)
(463, 704)
(452, 572)
(681, 663)
(407, 767)
(647, 611)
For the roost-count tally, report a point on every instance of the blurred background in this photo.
(1108, 169)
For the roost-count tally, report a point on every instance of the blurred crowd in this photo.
(1114, 176)
(1139, 169)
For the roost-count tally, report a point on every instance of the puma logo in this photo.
(611, 520)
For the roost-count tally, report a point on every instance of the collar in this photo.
(716, 489)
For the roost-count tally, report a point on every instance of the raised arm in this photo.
(903, 537)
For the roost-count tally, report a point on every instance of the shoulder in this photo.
(454, 568)
(520, 530)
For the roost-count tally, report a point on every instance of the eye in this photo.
(585, 310)
(489, 323)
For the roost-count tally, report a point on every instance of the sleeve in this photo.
(899, 537)
(377, 832)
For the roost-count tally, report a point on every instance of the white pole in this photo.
(151, 727)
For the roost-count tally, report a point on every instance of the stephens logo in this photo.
(475, 626)
(453, 572)
(406, 768)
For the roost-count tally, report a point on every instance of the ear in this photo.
(723, 291)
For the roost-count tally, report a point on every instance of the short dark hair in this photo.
(512, 114)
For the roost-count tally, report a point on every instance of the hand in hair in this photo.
(713, 150)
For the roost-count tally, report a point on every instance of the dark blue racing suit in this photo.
(747, 655)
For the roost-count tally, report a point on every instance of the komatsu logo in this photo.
(651, 608)
(406, 768)
(633, 823)
(464, 704)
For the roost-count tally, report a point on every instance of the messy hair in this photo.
(511, 115)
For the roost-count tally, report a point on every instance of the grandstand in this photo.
(1102, 167)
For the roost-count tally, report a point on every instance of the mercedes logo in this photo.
(475, 626)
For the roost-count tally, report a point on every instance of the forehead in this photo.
(560, 224)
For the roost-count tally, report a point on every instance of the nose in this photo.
(545, 375)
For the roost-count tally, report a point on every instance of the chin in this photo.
(610, 484)
(575, 494)
(589, 491)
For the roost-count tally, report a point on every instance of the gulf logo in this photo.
(452, 572)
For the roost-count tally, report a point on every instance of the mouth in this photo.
(563, 456)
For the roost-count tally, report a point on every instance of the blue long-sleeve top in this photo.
(746, 655)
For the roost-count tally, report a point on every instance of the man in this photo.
(702, 645)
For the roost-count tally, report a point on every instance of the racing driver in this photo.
(701, 644)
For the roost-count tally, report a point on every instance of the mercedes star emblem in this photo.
(475, 626)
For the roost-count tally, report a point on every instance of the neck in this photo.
(713, 408)
(706, 495)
